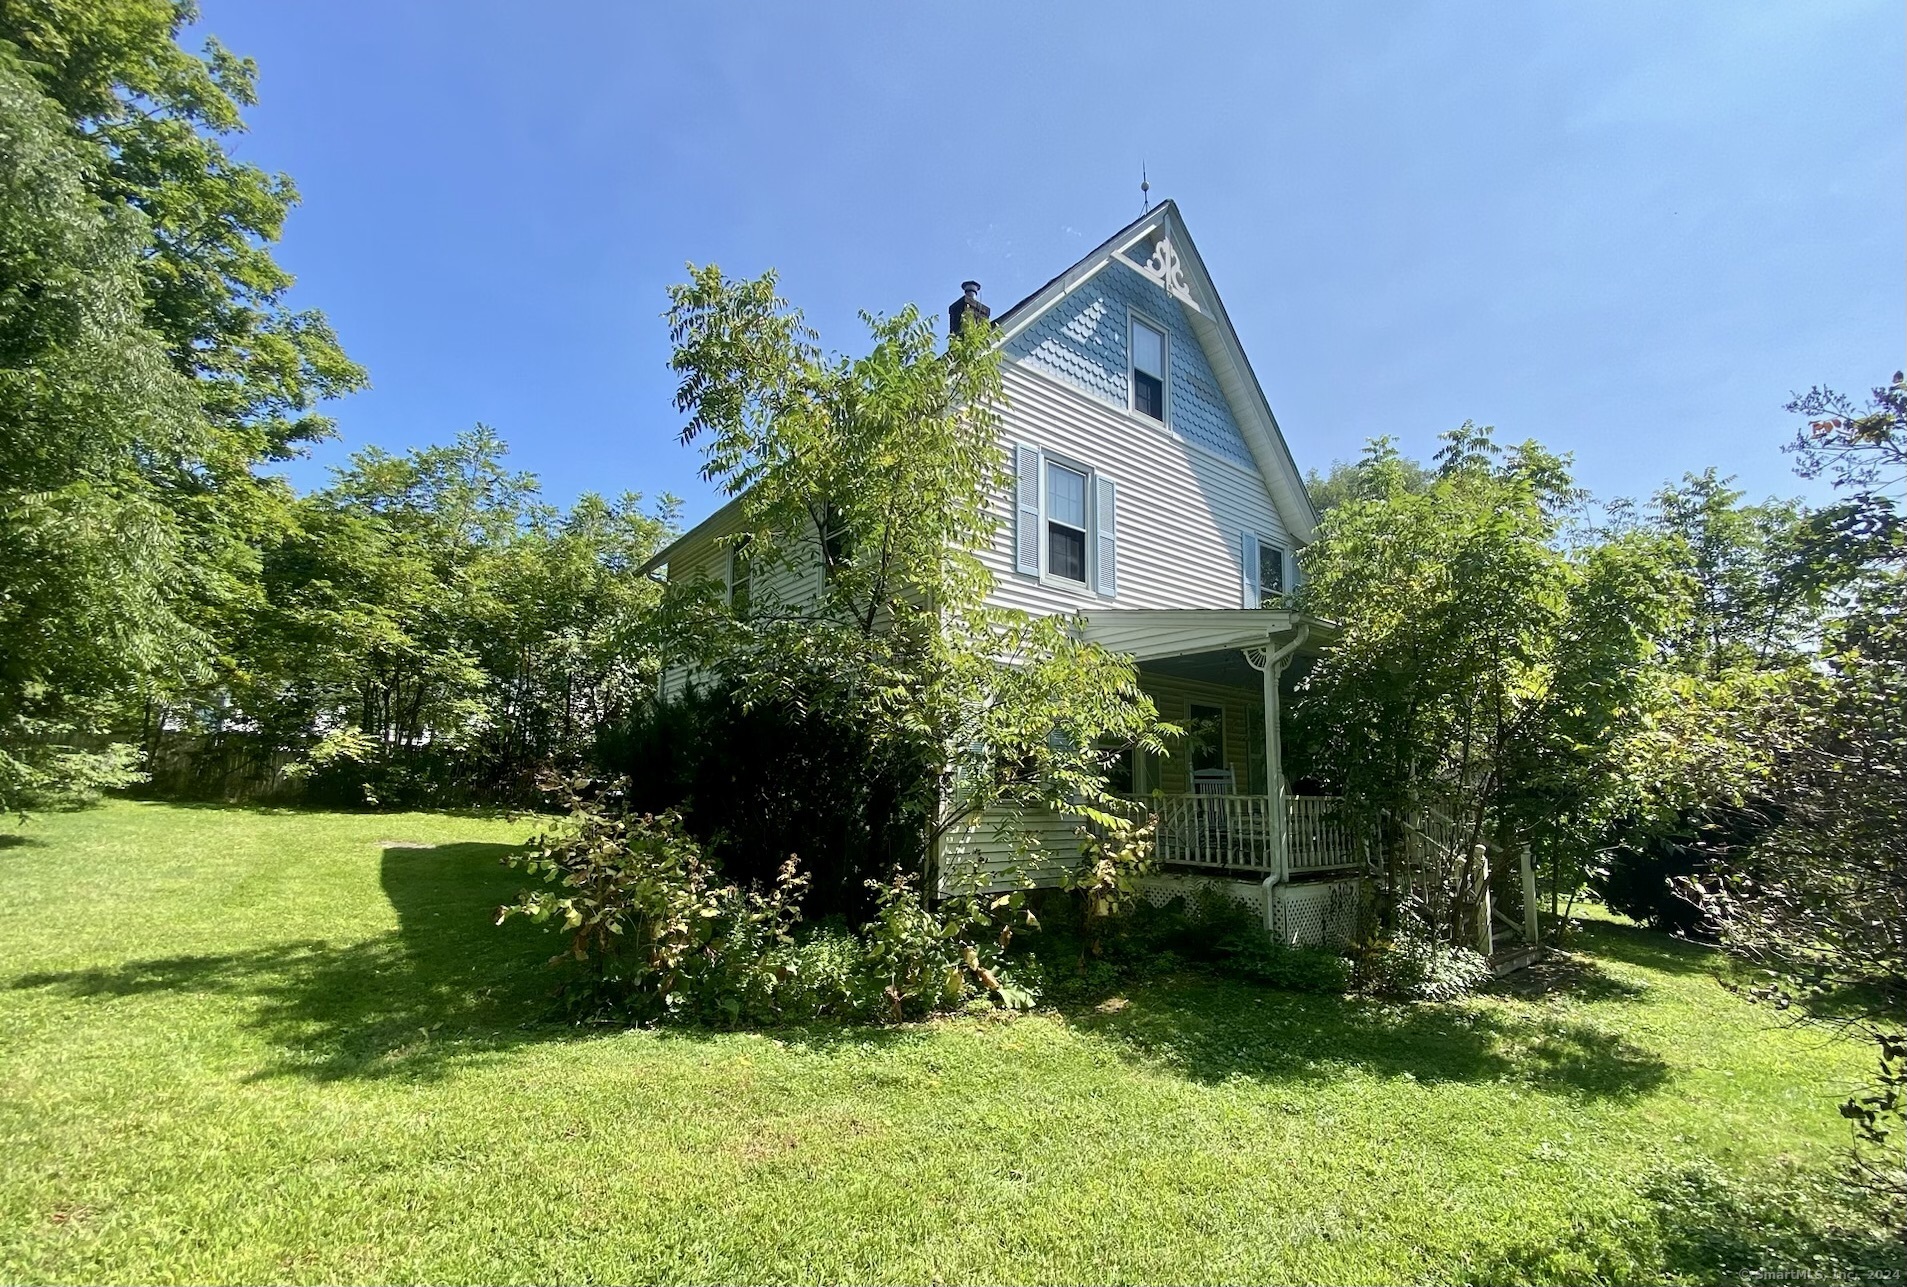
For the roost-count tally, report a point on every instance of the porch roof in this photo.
(1156, 634)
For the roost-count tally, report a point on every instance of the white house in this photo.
(1153, 495)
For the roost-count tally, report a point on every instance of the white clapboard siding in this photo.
(1181, 509)
(977, 847)
(704, 556)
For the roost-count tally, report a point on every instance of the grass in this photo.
(241, 1044)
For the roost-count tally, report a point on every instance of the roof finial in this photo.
(1145, 190)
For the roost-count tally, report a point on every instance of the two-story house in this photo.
(1154, 497)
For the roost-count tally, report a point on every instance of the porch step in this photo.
(1515, 958)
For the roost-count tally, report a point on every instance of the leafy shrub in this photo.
(755, 783)
(1643, 880)
(1295, 969)
(51, 774)
(1115, 851)
(1207, 931)
(922, 960)
(647, 918)
(659, 935)
(1414, 967)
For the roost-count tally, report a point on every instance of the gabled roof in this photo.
(1205, 313)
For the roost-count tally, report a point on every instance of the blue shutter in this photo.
(1106, 517)
(1248, 560)
(1026, 510)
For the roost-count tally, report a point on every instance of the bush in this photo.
(1643, 879)
(919, 960)
(1414, 967)
(55, 775)
(753, 785)
(658, 935)
(1208, 931)
(1295, 969)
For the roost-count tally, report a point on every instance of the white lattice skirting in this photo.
(1320, 913)
(1160, 890)
(1315, 914)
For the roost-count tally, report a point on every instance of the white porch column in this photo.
(1270, 663)
(1275, 770)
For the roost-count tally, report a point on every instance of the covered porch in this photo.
(1224, 802)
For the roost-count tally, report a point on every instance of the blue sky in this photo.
(1627, 230)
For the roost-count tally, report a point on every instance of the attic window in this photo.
(1148, 369)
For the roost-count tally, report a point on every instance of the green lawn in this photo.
(252, 1044)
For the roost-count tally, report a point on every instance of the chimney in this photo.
(966, 309)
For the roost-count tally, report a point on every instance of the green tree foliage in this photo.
(157, 363)
(1820, 901)
(450, 631)
(158, 122)
(96, 430)
(1759, 575)
(1755, 580)
(1355, 479)
(864, 488)
(724, 766)
(1498, 662)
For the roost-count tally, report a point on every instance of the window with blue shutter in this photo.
(1065, 522)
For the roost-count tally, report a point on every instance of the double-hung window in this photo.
(1065, 523)
(740, 576)
(1148, 369)
(1264, 571)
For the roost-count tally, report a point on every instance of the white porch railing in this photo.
(1234, 833)
(1318, 837)
(1227, 831)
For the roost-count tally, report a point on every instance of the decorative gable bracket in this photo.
(1164, 268)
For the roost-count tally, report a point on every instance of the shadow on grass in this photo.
(447, 984)
(293, 808)
(1651, 949)
(1700, 1224)
(1566, 974)
(1212, 1031)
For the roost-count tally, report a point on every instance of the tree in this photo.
(1755, 580)
(1497, 662)
(95, 426)
(875, 480)
(156, 120)
(452, 633)
(1355, 479)
(1820, 901)
(1755, 597)
(214, 374)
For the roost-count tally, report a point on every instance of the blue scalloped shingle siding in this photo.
(1082, 341)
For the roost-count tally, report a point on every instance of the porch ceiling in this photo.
(1162, 634)
(1228, 668)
